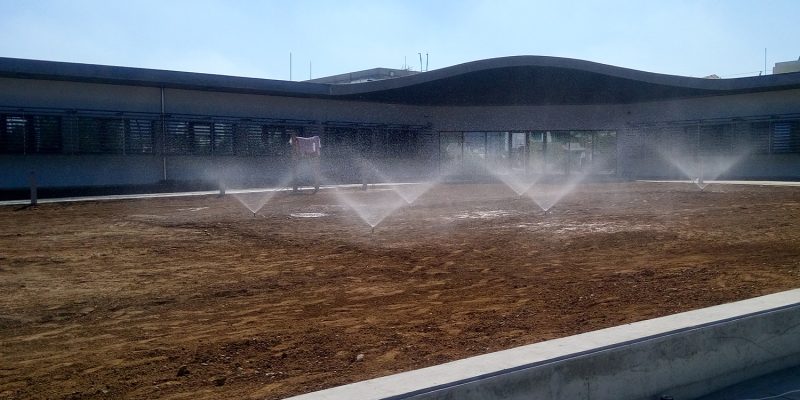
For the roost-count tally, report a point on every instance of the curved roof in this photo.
(518, 80)
(539, 80)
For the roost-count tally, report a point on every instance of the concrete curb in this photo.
(685, 355)
(186, 194)
(752, 183)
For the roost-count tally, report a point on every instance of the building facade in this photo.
(79, 125)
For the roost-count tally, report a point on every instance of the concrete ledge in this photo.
(683, 355)
(752, 183)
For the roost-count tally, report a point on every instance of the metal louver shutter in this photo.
(785, 137)
(12, 134)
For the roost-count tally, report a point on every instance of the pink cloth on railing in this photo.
(308, 146)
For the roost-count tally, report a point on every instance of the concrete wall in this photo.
(111, 170)
(105, 170)
(79, 170)
(89, 96)
(524, 118)
(684, 355)
(704, 108)
(244, 105)
(73, 95)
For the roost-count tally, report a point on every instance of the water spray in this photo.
(410, 192)
(700, 182)
(702, 170)
(370, 208)
(254, 200)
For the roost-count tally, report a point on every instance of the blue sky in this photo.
(254, 38)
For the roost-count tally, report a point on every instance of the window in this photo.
(786, 137)
(12, 134)
(340, 142)
(139, 137)
(223, 138)
(253, 145)
(276, 140)
(255, 139)
(371, 143)
(374, 143)
(201, 138)
(177, 140)
(716, 140)
(401, 143)
(497, 150)
(100, 135)
(537, 147)
(536, 152)
(579, 150)
(44, 137)
(450, 152)
(557, 155)
(518, 151)
(604, 157)
(394, 143)
(474, 152)
(759, 137)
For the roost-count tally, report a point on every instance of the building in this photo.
(786, 67)
(368, 75)
(79, 125)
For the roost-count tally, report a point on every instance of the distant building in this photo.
(786, 67)
(712, 76)
(367, 75)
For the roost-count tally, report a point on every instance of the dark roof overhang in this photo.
(538, 80)
(519, 80)
(92, 73)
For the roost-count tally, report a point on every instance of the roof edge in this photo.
(116, 75)
(744, 84)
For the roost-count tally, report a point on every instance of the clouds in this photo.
(254, 38)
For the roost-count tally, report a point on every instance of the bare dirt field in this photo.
(195, 298)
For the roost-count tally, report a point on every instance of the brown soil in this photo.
(196, 298)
